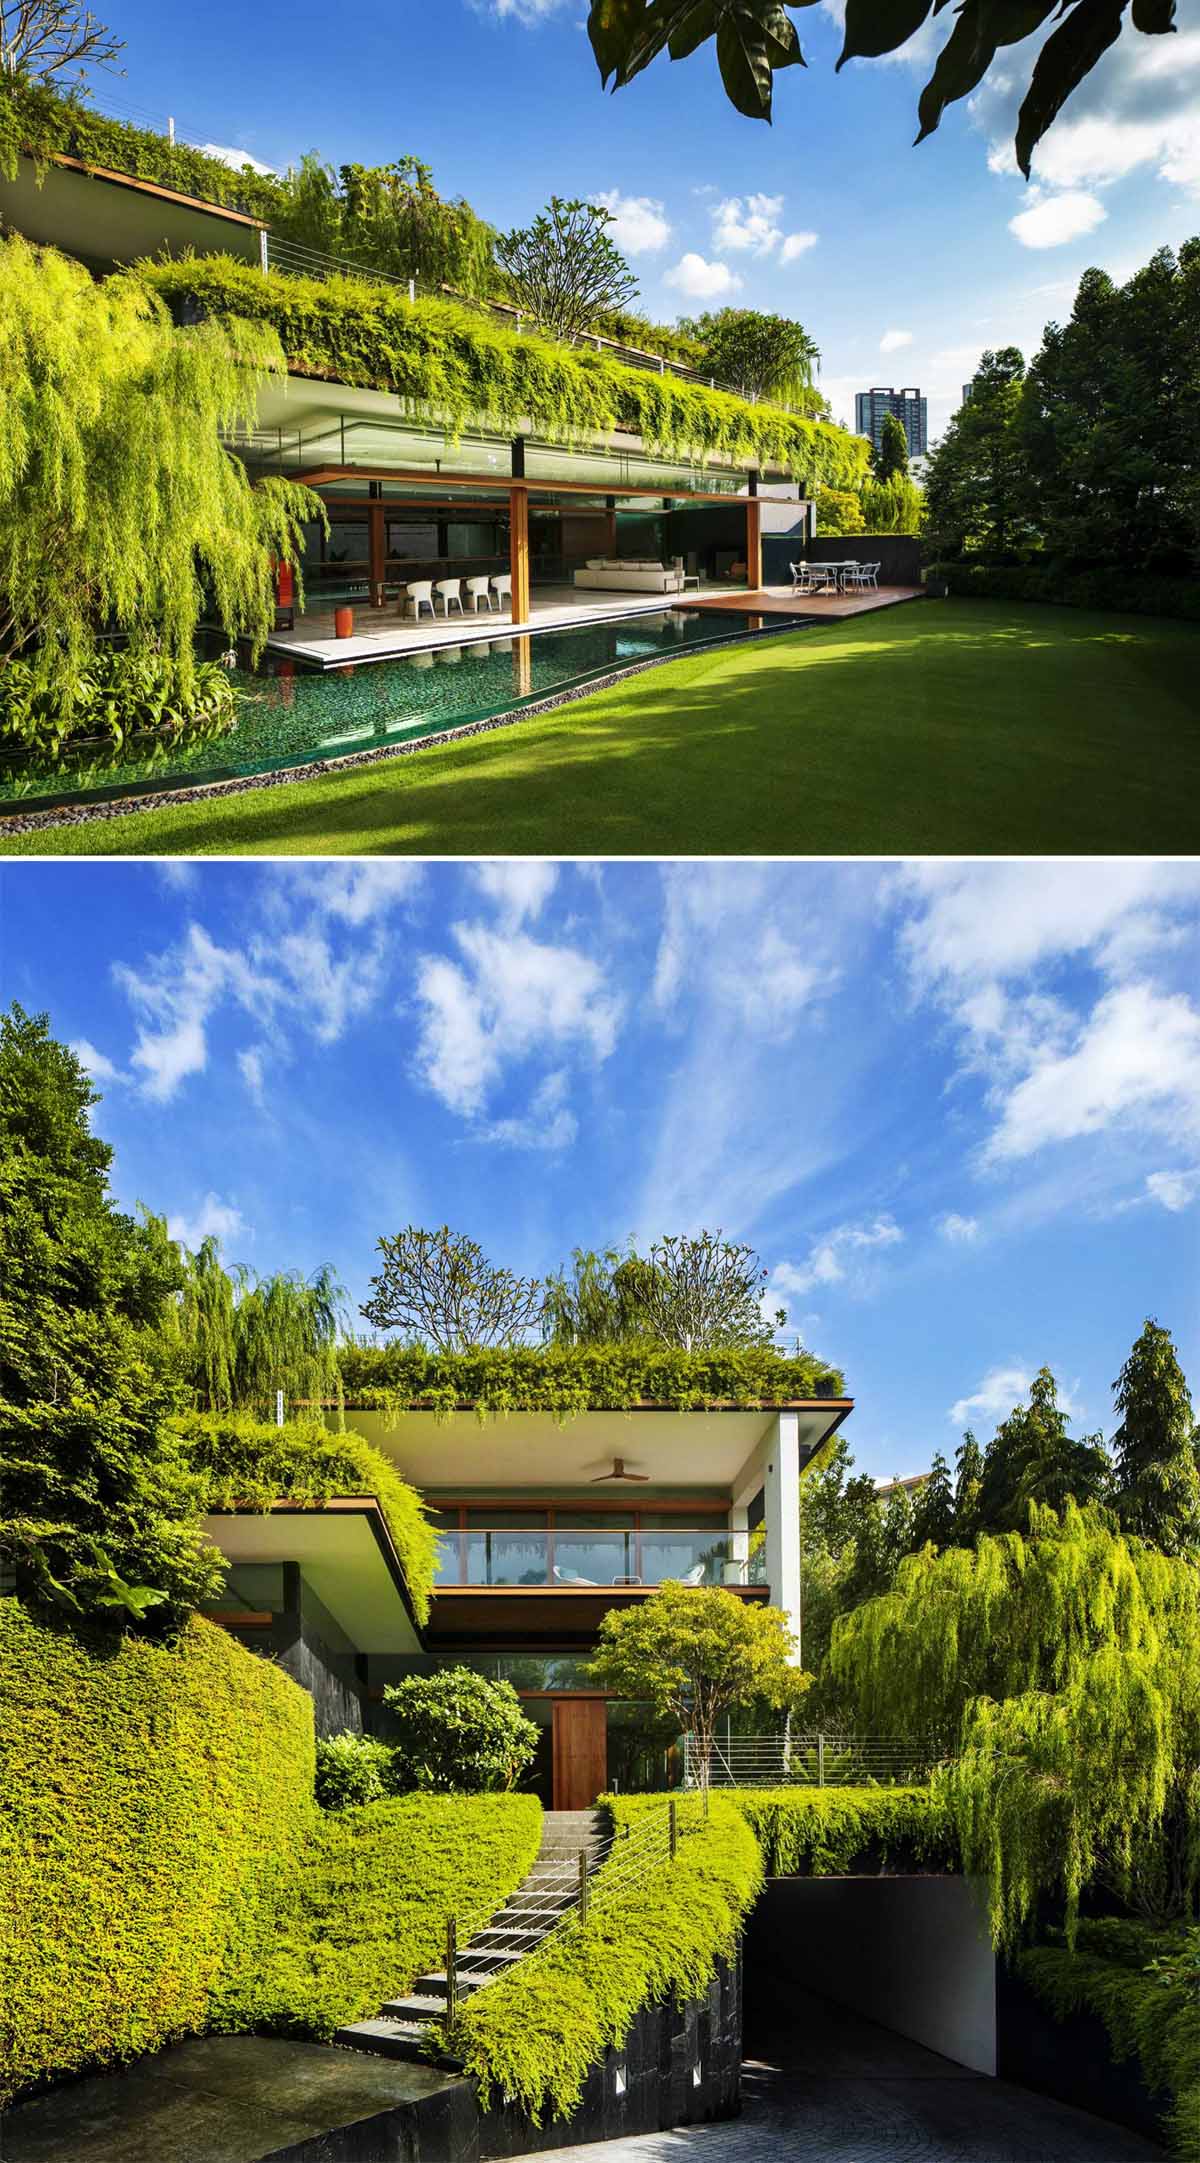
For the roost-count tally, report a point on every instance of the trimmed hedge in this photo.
(533, 2035)
(1148, 2018)
(366, 1910)
(568, 1380)
(462, 368)
(1128, 594)
(819, 1832)
(152, 1798)
(250, 1464)
(40, 123)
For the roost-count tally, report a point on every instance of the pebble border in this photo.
(36, 822)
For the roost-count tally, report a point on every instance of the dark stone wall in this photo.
(1070, 2059)
(897, 554)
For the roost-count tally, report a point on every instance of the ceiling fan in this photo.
(618, 1473)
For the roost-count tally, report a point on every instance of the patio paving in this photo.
(812, 608)
(381, 634)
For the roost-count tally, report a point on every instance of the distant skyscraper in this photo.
(910, 409)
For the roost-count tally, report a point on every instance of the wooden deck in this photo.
(780, 601)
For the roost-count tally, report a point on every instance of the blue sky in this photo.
(903, 263)
(956, 1107)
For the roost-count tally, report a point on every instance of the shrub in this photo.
(458, 1732)
(351, 1770)
(566, 1380)
(153, 1799)
(365, 1911)
(1129, 594)
(118, 694)
(1143, 1985)
(244, 1463)
(821, 1832)
(839, 510)
(534, 2034)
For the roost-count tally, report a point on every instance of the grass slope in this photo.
(948, 727)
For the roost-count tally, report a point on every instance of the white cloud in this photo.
(974, 921)
(639, 225)
(1175, 1190)
(1138, 108)
(750, 225)
(520, 886)
(1138, 1054)
(1057, 219)
(214, 1219)
(354, 893)
(795, 245)
(527, 12)
(701, 280)
(509, 997)
(549, 1125)
(175, 996)
(235, 158)
(892, 341)
(328, 989)
(250, 1067)
(835, 1257)
(96, 1063)
(999, 1393)
(960, 1231)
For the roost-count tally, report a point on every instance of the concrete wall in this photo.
(911, 1953)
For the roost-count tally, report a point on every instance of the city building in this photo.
(909, 407)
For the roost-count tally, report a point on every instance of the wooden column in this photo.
(376, 545)
(753, 544)
(522, 674)
(518, 543)
(610, 526)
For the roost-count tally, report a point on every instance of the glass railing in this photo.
(500, 1556)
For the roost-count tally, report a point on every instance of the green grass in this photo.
(942, 727)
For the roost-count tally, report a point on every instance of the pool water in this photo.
(290, 715)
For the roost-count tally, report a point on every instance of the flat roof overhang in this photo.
(520, 1617)
(534, 1452)
(106, 217)
(346, 1553)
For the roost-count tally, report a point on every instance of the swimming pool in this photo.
(289, 716)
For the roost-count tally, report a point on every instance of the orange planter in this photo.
(343, 622)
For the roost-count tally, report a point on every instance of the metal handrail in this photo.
(820, 1759)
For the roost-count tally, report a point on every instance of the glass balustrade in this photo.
(531, 1547)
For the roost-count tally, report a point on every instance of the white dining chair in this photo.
(480, 589)
(502, 588)
(447, 590)
(420, 593)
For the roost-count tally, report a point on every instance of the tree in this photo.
(933, 1515)
(698, 1653)
(1156, 1485)
(756, 355)
(457, 1732)
(891, 459)
(1063, 1663)
(597, 1303)
(978, 490)
(698, 1291)
(119, 502)
(895, 506)
(968, 1478)
(1033, 1459)
(388, 218)
(839, 511)
(440, 1288)
(244, 1337)
(565, 269)
(102, 1514)
(44, 40)
(756, 38)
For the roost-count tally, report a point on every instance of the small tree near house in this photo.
(698, 1653)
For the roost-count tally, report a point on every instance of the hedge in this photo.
(1152, 2019)
(463, 368)
(250, 1464)
(366, 1910)
(533, 2035)
(1123, 592)
(820, 1832)
(567, 1380)
(42, 124)
(152, 1798)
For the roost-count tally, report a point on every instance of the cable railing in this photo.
(814, 1760)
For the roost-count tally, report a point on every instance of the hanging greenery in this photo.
(39, 122)
(462, 369)
(244, 1337)
(566, 1380)
(120, 506)
(1064, 1662)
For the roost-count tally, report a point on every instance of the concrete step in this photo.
(384, 2039)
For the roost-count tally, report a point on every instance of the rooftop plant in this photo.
(37, 121)
(466, 369)
(566, 1380)
(824, 1832)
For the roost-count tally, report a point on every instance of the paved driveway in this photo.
(831, 2088)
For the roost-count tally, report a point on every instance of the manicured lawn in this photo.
(942, 727)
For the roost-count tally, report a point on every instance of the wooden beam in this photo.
(322, 476)
(753, 544)
(518, 543)
(377, 550)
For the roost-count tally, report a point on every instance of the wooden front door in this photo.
(580, 1752)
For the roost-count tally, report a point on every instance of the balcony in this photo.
(579, 1550)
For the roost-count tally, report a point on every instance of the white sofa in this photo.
(632, 574)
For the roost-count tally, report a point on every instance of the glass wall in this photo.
(567, 1546)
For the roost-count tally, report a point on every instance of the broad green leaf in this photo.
(1064, 60)
(701, 24)
(879, 26)
(966, 56)
(749, 49)
(611, 24)
(1153, 16)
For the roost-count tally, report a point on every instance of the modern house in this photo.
(544, 1527)
(572, 485)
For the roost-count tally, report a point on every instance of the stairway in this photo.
(528, 1915)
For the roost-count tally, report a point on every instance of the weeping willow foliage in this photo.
(1065, 1664)
(119, 505)
(462, 368)
(243, 1337)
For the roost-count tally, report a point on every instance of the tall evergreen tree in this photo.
(1032, 1458)
(977, 485)
(968, 1477)
(101, 1512)
(891, 459)
(1156, 1483)
(933, 1510)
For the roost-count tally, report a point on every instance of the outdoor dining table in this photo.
(839, 570)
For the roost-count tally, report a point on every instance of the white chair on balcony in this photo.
(447, 590)
(420, 594)
(480, 589)
(695, 1576)
(502, 588)
(571, 1577)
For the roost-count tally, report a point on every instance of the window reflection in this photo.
(566, 1547)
